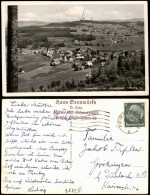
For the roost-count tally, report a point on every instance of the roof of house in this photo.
(89, 63)
(77, 63)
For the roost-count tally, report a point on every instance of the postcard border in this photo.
(95, 93)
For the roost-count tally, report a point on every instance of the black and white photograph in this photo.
(74, 48)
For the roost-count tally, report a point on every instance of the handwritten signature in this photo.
(36, 189)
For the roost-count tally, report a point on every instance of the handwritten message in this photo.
(35, 143)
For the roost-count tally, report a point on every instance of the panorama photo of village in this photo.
(71, 48)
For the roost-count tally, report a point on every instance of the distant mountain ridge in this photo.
(31, 23)
(129, 20)
(71, 24)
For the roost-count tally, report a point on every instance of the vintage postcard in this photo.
(75, 48)
(75, 146)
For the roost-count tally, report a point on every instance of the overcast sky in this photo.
(61, 13)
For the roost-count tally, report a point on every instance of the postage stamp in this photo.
(134, 114)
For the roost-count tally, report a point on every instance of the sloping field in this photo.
(31, 62)
(46, 74)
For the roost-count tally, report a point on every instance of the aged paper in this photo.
(75, 146)
(75, 48)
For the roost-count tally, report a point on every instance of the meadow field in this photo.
(38, 72)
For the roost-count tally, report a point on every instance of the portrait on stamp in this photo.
(134, 115)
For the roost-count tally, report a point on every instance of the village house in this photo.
(80, 57)
(77, 66)
(35, 52)
(115, 55)
(44, 51)
(89, 63)
(55, 62)
(71, 59)
(94, 60)
(89, 50)
(88, 75)
(50, 53)
(69, 53)
(24, 53)
(21, 70)
(102, 63)
(65, 59)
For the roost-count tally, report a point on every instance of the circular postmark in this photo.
(121, 125)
